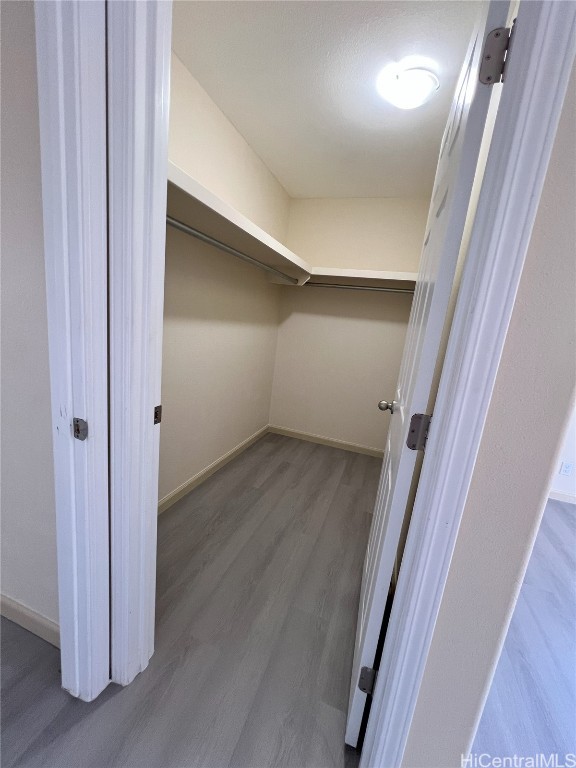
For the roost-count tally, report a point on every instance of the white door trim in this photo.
(139, 42)
(70, 45)
(528, 116)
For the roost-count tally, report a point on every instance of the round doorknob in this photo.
(384, 405)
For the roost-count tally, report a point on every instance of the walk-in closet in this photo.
(278, 286)
(297, 206)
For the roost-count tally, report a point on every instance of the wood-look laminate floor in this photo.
(258, 581)
(531, 707)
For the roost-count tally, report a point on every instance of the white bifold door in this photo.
(457, 164)
(104, 82)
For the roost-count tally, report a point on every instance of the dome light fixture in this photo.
(406, 85)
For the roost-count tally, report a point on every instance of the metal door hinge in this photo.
(80, 428)
(367, 680)
(496, 55)
(158, 414)
(418, 432)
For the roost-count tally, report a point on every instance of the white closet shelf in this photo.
(363, 278)
(197, 208)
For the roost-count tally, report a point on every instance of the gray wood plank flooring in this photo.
(531, 707)
(257, 592)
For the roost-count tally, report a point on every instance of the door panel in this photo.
(449, 205)
(138, 75)
(71, 65)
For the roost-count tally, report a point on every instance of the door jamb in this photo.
(537, 79)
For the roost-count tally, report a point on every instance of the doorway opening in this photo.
(281, 370)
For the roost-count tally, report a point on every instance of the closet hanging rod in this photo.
(382, 288)
(226, 248)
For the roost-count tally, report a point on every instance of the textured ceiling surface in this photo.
(297, 79)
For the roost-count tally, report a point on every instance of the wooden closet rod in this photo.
(226, 248)
(382, 288)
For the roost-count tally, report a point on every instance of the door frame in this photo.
(71, 57)
(520, 149)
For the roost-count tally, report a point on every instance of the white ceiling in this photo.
(297, 78)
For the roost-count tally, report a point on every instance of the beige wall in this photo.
(240, 353)
(221, 317)
(220, 330)
(28, 514)
(359, 233)
(564, 486)
(338, 354)
(518, 454)
(205, 144)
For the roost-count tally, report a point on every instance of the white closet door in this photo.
(450, 199)
(138, 61)
(71, 61)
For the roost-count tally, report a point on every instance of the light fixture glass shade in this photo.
(406, 88)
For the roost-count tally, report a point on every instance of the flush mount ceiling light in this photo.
(406, 85)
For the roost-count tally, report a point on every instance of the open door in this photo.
(71, 62)
(444, 229)
(103, 75)
(138, 88)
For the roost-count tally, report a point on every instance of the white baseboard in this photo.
(171, 498)
(31, 620)
(332, 442)
(557, 496)
(167, 501)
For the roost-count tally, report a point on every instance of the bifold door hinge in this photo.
(418, 431)
(367, 680)
(496, 55)
(80, 428)
(158, 414)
